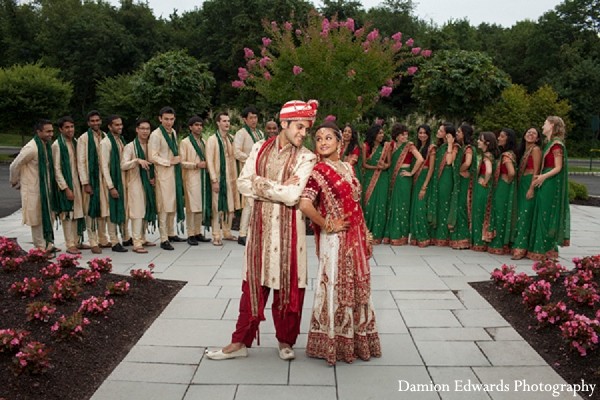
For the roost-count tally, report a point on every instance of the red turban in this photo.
(297, 110)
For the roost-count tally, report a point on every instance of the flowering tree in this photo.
(348, 70)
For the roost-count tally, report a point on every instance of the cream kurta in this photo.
(82, 169)
(243, 144)
(106, 153)
(160, 155)
(136, 197)
(191, 174)
(270, 190)
(214, 168)
(24, 170)
(60, 179)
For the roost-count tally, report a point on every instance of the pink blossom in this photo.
(366, 44)
(267, 75)
(385, 91)
(325, 24)
(248, 53)
(350, 24)
(351, 73)
(264, 61)
(266, 41)
(287, 26)
(412, 70)
(410, 42)
(330, 117)
(397, 36)
(238, 84)
(389, 82)
(297, 70)
(416, 50)
(324, 34)
(335, 25)
(251, 63)
(273, 25)
(397, 46)
(426, 53)
(373, 35)
(264, 51)
(359, 32)
(243, 73)
(298, 32)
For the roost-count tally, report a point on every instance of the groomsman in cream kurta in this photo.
(111, 150)
(139, 176)
(196, 181)
(90, 175)
(164, 154)
(245, 138)
(223, 174)
(31, 173)
(64, 155)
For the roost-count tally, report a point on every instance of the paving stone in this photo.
(471, 269)
(310, 371)
(194, 308)
(165, 354)
(429, 318)
(462, 282)
(472, 299)
(425, 282)
(449, 334)
(151, 372)
(429, 304)
(253, 392)
(198, 291)
(195, 276)
(382, 300)
(447, 353)
(188, 333)
(506, 353)
(211, 392)
(455, 380)
(397, 349)
(483, 318)
(423, 294)
(389, 321)
(382, 270)
(117, 390)
(508, 333)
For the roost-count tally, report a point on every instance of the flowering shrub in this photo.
(11, 264)
(36, 255)
(499, 275)
(30, 287)
(51, 271)
(117, 288)
(68, 260)
(581, 288)
(537, 293)
(9, 247)
(552, 313)
(581, 333)
(516, 283)
(32, 358)
(39, 310)
(101, 264)
(96, 305)
(591, 263)
(549, 270)
(12, 339)
(71, 326)
(88, 277)
(65, 288)
(143, 274)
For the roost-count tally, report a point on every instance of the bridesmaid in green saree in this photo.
(376, 180)
(529, 155)
(551, 223)
(350, 150)
(420, 230)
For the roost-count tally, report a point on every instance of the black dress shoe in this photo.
(192, 241)
(242, 240)
(176, 239)
(202, 238)
(119, 248)
(166, 245)
(128, 242)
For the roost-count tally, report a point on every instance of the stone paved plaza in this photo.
(434, 328)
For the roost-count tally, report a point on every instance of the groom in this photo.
(274, 176)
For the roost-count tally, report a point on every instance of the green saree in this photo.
(503, 199)
(420, 229)
(397, 227)
(376, 184)
(459, 218)
(480, 211)
(525, 209)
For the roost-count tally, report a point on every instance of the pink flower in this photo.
(266, 41)
(412, 70)
(385, 91)
(324, 34)
(325, 24)
(426, 53)
(238, 84)
(273, 25)
(351, 73)
(359, 32)
(248, 53)
(366, 44)
(267, 75)
(298, 32)
(287, 26)
(297, 70)
(389, 82)
(243, 73)
(416, 50)
(410, 42)
(264, 61)
(335, 25)
(331, 118)
(251, 63)
(397, 36)
(373, 35)
(350, 24)
(397, 46)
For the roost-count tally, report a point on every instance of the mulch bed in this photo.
(547, 341)
(79, 366)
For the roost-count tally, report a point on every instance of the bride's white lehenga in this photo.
(342, 324)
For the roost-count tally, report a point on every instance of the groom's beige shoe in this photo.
(287, 353)
(220, 355)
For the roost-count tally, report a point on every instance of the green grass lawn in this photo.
(12, 139)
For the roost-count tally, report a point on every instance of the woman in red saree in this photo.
(342, 324)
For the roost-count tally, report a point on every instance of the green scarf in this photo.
(259, 134)
(117, 206)
(205, 187)
(94, 176)
(170, 139)
(146, 176)
(65, 205)
(223, 177)
(47, 190)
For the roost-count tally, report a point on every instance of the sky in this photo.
(502, 12)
